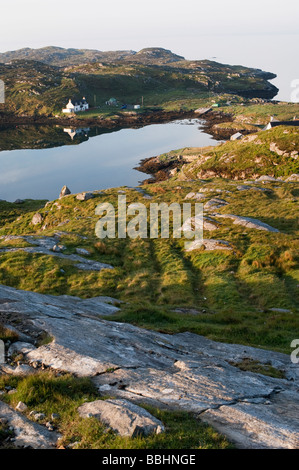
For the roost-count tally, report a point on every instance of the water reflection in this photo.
(36, 161)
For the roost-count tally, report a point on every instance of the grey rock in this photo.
(124, 417)
(37, 219)
(58, 248)
(45, 246)
(27, 433)
(82, 251)
(182, 371)
(252, 426)
(195, 196)
(196, 223)
(22, 337)
(214, 203)
(19, 201)
(248, 222)
(64, 192)
(21, 407)
(267, 178)
(50, 426)
(293, 178)
(208, 244)
(20, 370)
(243, 187)
(84, 196)
(280, 310)
(37, 416)
(20, 347)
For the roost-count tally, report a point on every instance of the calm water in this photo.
(102, 161)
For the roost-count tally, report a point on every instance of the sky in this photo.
(258, 33)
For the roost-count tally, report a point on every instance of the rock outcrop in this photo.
(124, 417)
(27, 433)
(50, 246)
(182, 371)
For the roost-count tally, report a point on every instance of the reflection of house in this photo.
(78, 105)
(81, 131)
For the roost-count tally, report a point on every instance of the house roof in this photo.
(78, 101)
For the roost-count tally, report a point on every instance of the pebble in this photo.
(21, 406)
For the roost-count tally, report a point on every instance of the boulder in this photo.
(21, 407)
(64, 192)
(82, 251)
(208, 244)
(27, 433)
(124, 417)
(214, 203)
(293, 178)
(84, 196)
(196, 196)
(248, 222)
(37, 219)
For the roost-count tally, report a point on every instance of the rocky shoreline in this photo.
(129, 119)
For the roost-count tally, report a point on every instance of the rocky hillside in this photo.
(58, 56)
(97, 331)
(181, 336)
(38, 83)
(273, 152)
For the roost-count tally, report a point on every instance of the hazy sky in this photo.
(134, 24)
(257, 33)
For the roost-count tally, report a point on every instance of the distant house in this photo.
(78, 105)
(274, 123)
(112, 102)
(236, 136)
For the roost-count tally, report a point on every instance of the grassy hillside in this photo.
(273, 152)
(224, 295)
(36, 87)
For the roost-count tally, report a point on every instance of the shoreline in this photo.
(131, 120)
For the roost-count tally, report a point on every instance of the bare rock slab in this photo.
(124, 417)
(249, 222)
(27, 433)
(252, 426)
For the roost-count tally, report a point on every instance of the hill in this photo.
(61, 57)
(273, 152)
(36, 87)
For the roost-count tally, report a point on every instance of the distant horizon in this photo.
(275, 56)
(262, 36)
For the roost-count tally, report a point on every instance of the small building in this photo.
(76, 106)
(111, 102)
(236, 136)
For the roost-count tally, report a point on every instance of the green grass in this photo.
(245, 159)
(48, 393)
(36, 89)
(250, 365)
(232, 291)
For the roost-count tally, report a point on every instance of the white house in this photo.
(75, 107)
(236, 136)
